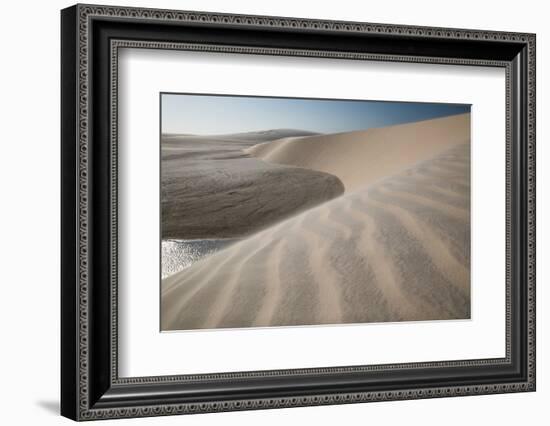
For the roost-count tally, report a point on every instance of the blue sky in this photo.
(214, 115)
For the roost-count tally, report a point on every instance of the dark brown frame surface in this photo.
(90, 39)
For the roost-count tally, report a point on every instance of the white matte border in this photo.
(144, 351)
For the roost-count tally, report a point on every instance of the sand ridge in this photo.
(361, 157)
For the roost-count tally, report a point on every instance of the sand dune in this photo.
(394, 247)
(360, 158)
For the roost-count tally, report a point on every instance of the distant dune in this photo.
(394, 247)
(253, 136)
(268, 135)
(359, 158)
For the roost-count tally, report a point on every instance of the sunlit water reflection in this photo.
(179, 254)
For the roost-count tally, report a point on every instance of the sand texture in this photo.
(394, 247)
(211, 188)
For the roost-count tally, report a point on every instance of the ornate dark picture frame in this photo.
(90, 38)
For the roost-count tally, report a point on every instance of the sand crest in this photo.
(359, 158)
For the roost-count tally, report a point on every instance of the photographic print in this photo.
(219, 188)
(293, 211)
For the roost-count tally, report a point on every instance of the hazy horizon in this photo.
(203, 115)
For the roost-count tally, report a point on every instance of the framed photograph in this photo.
(263, 212)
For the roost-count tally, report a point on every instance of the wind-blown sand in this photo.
(210, 188)
(394, 247)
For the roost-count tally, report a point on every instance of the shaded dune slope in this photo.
(397, 250)
(210, 188)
